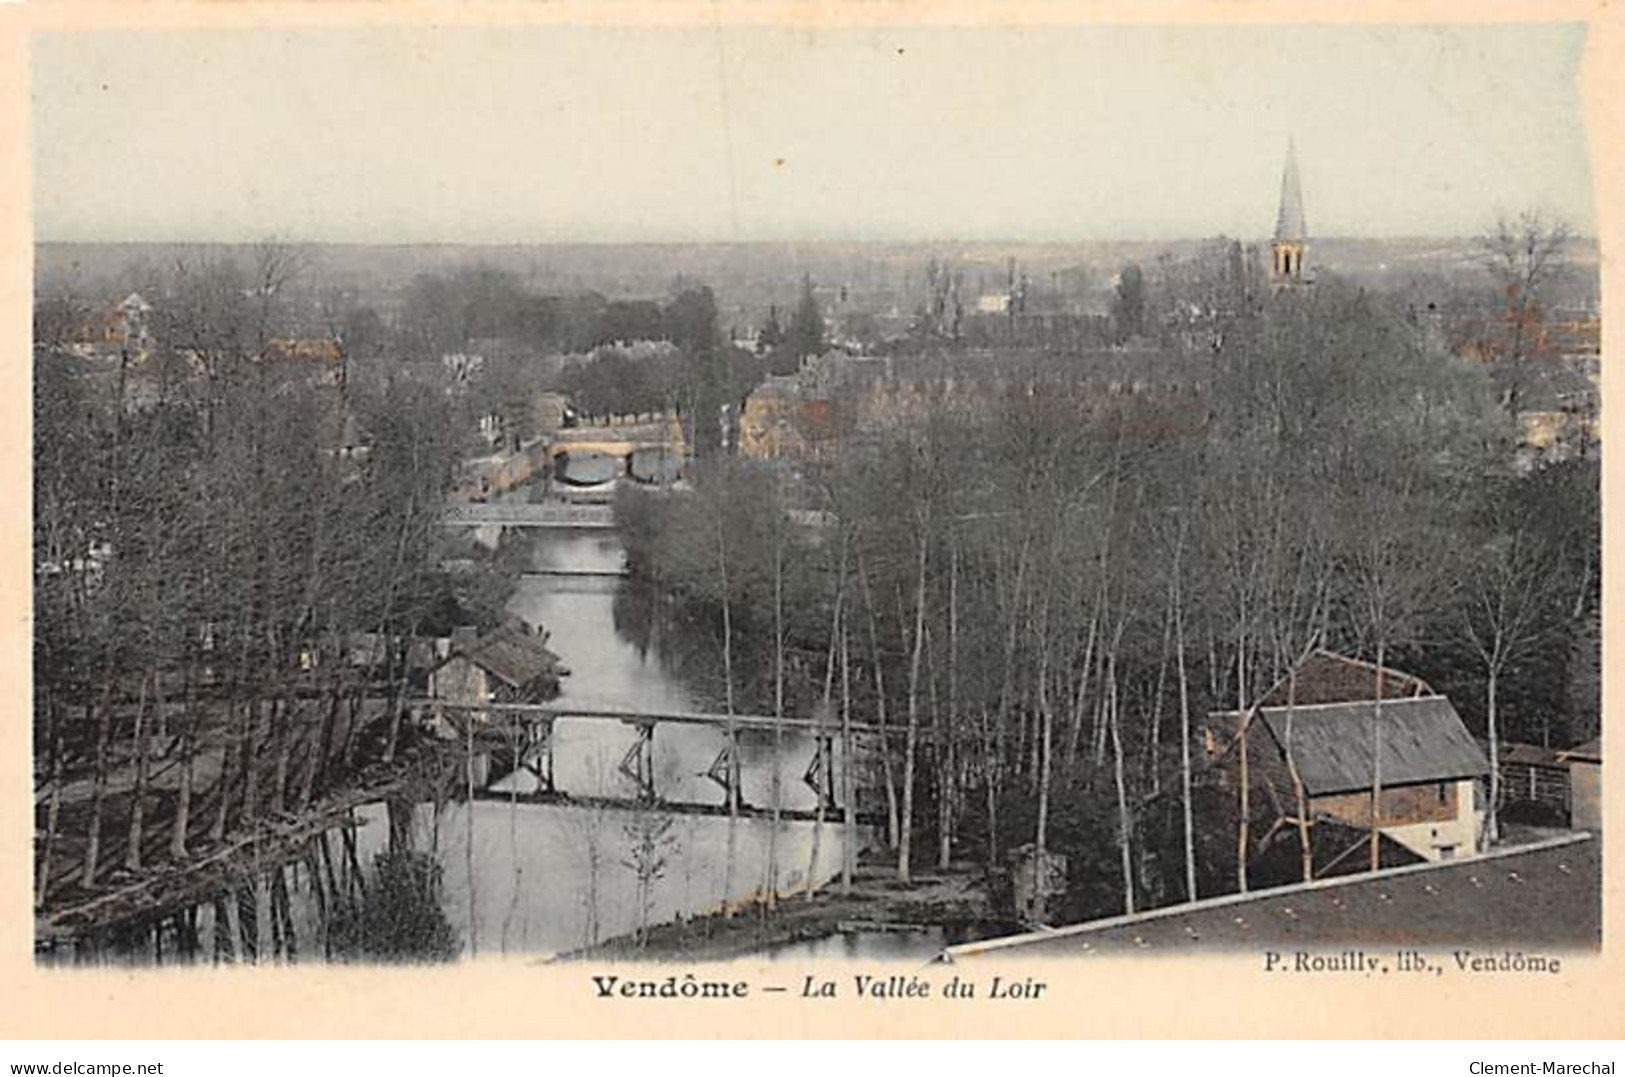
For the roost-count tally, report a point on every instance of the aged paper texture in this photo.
(533, 503)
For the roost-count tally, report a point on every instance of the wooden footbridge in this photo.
(563, 516)
(519, 737)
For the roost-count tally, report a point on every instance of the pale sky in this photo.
(531, 134)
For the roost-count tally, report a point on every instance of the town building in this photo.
(315, 360)
(508, 665)
(838, 400)
(500, 472)
(1570, 431)
(783, 419)
(126, 323)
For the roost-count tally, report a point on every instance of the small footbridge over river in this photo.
(518, 514)
(514, 751)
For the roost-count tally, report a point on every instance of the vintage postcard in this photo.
(810, 519)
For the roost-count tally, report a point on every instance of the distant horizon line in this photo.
(823, 241)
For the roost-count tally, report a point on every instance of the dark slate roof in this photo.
(1530, 755)
(1589, 752)
(1422, 740)
(1546, 896)
(511, 655)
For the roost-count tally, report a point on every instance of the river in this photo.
(528, 878)
(544, 879)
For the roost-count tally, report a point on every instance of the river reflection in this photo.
(534, 878)
(522, 877)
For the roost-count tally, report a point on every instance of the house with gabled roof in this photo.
(1323, 747)
(510, 664)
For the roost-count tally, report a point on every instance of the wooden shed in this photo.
(1585, 784)
(508, 665)
(1531, 774)
(1319, 743)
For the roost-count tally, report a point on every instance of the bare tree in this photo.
(650, 847)
(1503, 612)
(1524, 255)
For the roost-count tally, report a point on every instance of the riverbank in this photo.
(951, 904)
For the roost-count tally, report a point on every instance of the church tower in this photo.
(1291, 236)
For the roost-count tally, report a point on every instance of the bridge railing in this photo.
(526, 713)
(523, 737)
(529, 515)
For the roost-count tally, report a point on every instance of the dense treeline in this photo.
(1058, 602)
(441, 313)
(699, 375)
(526, 342)
(224, 573)
(236, 539)
(1042, 603)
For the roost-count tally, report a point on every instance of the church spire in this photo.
(1291, 234)
(1289, 222)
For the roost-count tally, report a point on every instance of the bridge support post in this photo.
(638, 763)
(538, 754)
(736, 779)
(725, 771)
(820, 774)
